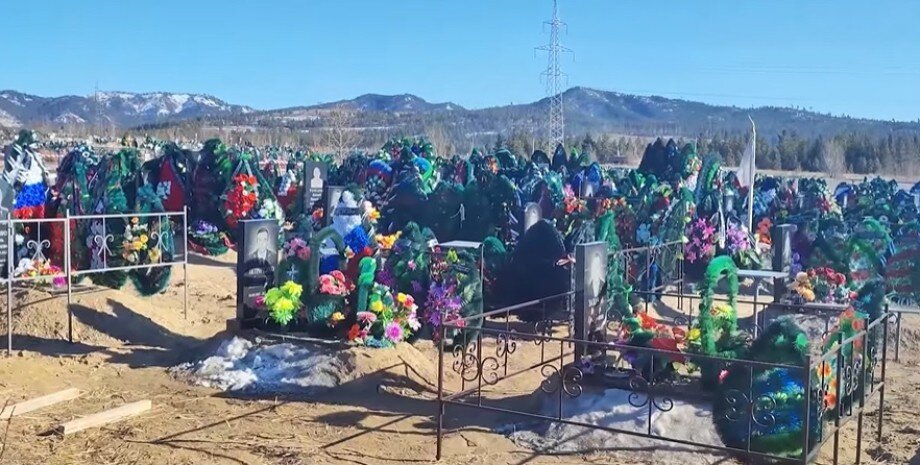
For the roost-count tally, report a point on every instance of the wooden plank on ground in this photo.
(105, 417)
(32, 405)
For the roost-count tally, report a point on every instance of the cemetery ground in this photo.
(381, 414)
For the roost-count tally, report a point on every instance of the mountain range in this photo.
(586, 110)
(119, 109)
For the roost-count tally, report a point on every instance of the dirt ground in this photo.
(125, 344)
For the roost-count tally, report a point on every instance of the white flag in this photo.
(746, 174)
(747, 168)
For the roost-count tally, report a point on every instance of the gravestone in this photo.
(587, 190)
(781, 236)
(532, 214)
(333, 195)
(7, 196)
(590, 319)
(257, 260)
(314, 182)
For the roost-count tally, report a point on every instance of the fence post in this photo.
(589, 319)
(440, 413)
(807, 413)
(184, 258)
(881, 394)
(10, 236)
(67, 271)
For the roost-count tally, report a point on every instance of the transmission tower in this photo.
(554, 77)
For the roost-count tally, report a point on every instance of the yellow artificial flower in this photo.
(401, 298)
(154, 255)
(337, 317)
(293, 289)
(373, 215)
(694, 334)
(134, 220)
(144, 238)
(284, 305)
(376, 306)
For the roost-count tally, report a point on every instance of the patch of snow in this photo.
(8, 120)
(611, 408)
(14, 99)
(207, 101)
(68, 118)
(240, 365)
(179, 100)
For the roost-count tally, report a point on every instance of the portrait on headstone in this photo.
(256, 265)
(314, 182)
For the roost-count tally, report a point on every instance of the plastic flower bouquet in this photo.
(41, 268)
(330, 300)
(135, 243)
(701, 238)
(297, 248)
(207, 239)
(386, 242)
(270, 209)
(283, 302)
(389, 320)
(241, 199)
(829, 285)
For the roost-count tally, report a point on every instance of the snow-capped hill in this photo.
(124, 109)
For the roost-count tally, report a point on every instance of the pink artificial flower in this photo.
(411, 265)
(260, 301)
(367, 317)
(59, 282)
(414, 323)
(394, 332)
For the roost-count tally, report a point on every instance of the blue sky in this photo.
(854, 57)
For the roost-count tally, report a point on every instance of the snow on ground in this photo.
(239, 365)
(611, 408)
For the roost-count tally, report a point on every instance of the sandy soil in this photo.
(125, 343)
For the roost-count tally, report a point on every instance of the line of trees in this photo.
(897, 155)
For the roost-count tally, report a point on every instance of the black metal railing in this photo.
(654, 380)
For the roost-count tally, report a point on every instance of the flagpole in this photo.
(750, 199)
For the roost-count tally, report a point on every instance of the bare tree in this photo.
(340, 135)
(440, 139)
(832, 157)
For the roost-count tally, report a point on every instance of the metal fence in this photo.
(471, 376)
(166, 223)
(828, 390)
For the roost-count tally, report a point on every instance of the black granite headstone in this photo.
(257, 261)
(314, 182)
